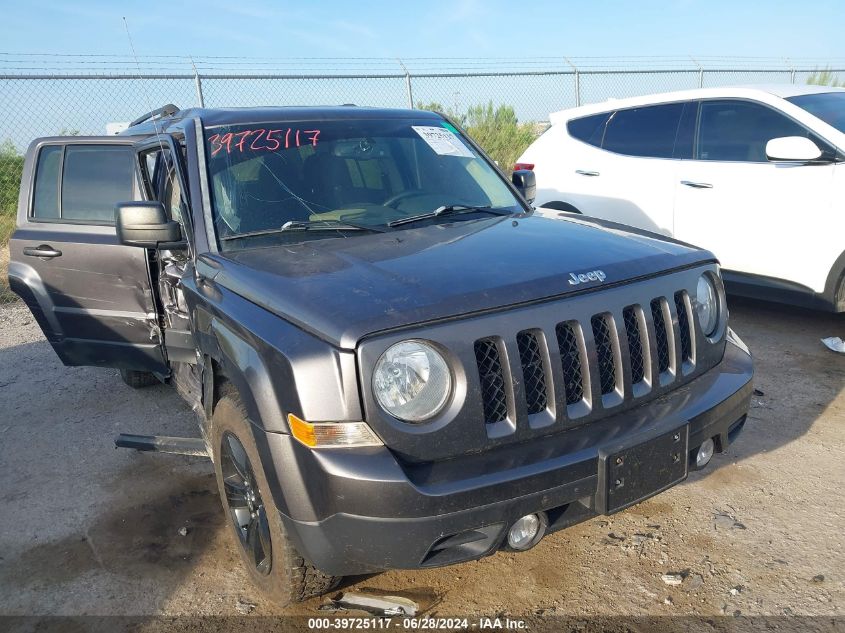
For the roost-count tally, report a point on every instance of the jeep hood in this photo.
(343, 289)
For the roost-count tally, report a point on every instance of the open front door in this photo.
(91, 295)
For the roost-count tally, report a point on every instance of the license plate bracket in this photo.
(638, 472)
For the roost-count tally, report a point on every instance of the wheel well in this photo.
(559, 205)
(215, 385)
(834, 291)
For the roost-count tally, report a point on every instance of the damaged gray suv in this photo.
(396, 365)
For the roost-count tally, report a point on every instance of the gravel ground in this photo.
(87, 529)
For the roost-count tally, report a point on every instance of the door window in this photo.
(45, 204)
(173, 197)
(648, 131)
(733, 130)
(685, 139)
(94, 179)
(151, 172)
(82, 183)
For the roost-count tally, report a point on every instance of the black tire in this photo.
(839, 299)
(138, 379)
(282, 574)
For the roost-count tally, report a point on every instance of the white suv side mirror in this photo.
(793, 149)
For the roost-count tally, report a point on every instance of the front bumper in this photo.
(352, 511)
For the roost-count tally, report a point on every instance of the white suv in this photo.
(753, 174)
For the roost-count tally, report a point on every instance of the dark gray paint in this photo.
(296, 329)
(95, 301)
(344, 289)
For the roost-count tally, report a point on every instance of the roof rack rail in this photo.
(163, 111)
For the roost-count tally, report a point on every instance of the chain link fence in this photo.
(37, 101)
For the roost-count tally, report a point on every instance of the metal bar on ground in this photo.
(162, 444)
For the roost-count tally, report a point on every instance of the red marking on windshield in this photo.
(294, 137)
(243, 135)
(261, 133)
(273, 140)
(313, 138)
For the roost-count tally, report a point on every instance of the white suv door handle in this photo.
(697, 185)
(584, 172)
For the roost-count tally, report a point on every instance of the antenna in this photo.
(140, 78)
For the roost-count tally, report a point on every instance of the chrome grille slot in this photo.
(493, 394)
(605, 352)
(570, 360)
(635, 337)
(533, 371)
(684, 326)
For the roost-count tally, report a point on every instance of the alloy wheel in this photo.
(243, 500)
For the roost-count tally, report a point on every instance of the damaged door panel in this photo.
(93, 295)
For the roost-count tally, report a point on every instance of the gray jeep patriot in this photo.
(396, 364)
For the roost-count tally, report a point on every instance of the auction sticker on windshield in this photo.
(443, 141)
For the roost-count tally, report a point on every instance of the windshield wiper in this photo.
(451, 209)
(308, 225)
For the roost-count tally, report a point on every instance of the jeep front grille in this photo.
(606, 352)
(627, 355)
(635, 343)
(532, 371)
(683, 325)
(661, 335)
(570, 360)
(492, 380)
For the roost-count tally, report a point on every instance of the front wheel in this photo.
(272, 561)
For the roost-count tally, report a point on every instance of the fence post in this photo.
(408, 90)
(577, 88)
(198, 86)
(791, 71)
(577, 76)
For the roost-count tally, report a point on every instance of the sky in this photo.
(435, 28)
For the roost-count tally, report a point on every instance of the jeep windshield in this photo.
(345, 177)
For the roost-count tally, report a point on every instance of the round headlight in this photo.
(707, 305)
(412, 381)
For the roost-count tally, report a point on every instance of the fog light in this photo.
(704, 454)
(526, 532)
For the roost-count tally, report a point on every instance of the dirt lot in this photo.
(87, 529)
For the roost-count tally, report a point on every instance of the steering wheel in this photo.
(408, 193)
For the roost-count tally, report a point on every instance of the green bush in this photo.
(495, 128)
(11, 167)
(825, 78)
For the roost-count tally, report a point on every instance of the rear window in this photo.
(82, 183)
(648, 131)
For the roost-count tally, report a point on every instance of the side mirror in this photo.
(526, 181)
(146, 224)
(794, 149)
